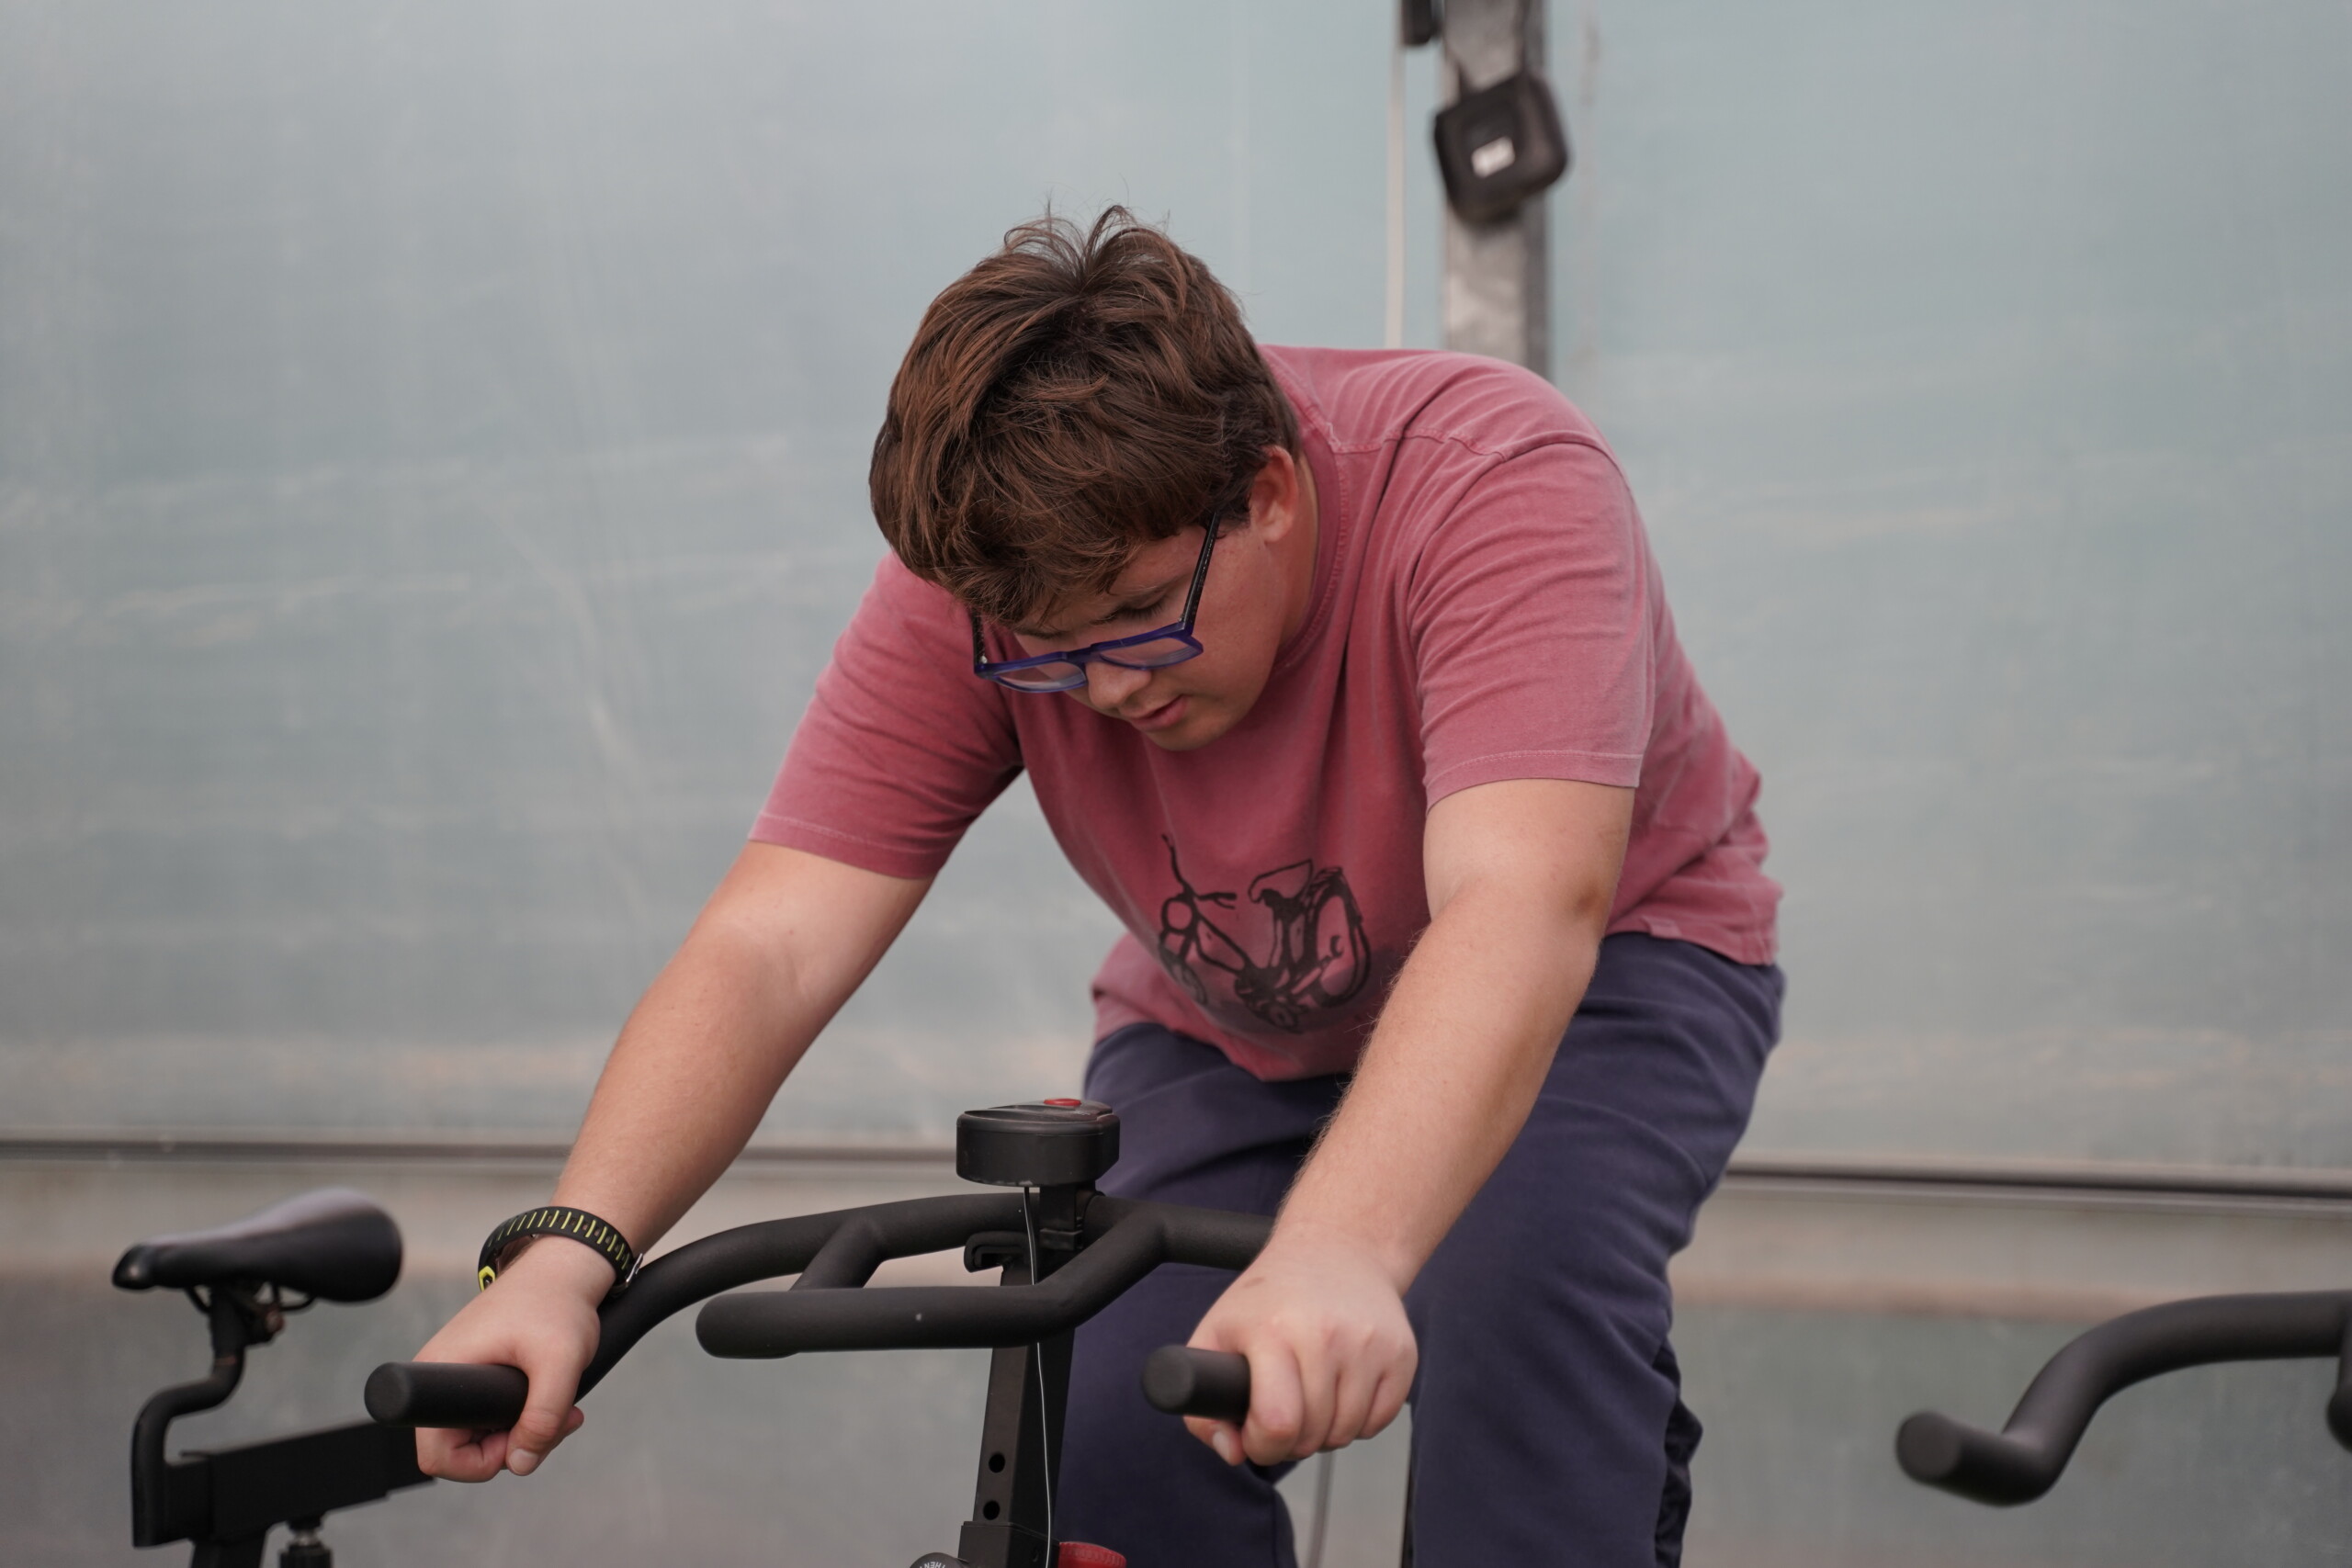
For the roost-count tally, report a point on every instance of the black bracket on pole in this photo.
(1501, 143)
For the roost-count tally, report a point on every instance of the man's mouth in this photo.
(1167, 714)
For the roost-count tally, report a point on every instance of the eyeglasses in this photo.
(1066, 669)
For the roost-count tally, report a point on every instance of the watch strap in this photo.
(599, 1236)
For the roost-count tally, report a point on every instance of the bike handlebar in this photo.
(835, 1254)
(1133, 1239)
(2025, 1459)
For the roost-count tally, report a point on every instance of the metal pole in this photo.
(1496, 295)
(1393, 315)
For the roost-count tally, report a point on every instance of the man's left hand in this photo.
(1331, 1356)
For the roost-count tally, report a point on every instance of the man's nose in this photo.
(1108, 685)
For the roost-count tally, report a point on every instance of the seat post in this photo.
(168, 1501)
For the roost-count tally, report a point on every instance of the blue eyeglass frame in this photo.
(1177, 630)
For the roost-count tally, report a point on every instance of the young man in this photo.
(1347, 681)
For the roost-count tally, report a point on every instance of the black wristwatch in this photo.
(578, 1224)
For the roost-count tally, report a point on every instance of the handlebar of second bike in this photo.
(835, 1254)
(2025, 1459)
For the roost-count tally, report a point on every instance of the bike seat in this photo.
(333, 1244)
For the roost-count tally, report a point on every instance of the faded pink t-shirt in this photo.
(1485, 607)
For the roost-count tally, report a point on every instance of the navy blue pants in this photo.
(1548, 1425)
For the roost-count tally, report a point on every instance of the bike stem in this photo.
(1021, 1431)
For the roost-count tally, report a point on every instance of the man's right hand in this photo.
(540, 1316)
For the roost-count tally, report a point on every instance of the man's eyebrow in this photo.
(1142, 599)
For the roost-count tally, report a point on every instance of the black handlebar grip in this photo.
(1185, 1381)
(1985, 1467)
(446, 1393)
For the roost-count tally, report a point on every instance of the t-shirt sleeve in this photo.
(1529, 605)
(901, 748)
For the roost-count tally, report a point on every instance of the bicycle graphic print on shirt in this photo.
(1319, 956)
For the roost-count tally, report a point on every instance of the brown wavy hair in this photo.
(1074, 397)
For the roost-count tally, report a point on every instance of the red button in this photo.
(1072, 1105)
(1077, 1553)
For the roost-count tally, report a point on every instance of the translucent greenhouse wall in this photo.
(433, 455)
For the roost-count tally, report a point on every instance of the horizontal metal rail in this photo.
(1763, 1169)
(1796, 1173)
(235, 1147)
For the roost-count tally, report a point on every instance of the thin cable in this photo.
(1393, 333)
(1323, 1463)
(1037, 1359)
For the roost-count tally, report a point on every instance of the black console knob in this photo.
(1046, 1143)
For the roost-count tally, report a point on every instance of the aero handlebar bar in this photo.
(2025, 1459)
(834, 1254)
(1125, 1241)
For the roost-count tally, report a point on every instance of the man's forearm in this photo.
(784, 942)
(694, 1068)
(1447, 1082)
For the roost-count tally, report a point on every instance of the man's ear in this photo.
(1277, 498)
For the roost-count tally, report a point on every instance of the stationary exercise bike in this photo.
(1063, 1252)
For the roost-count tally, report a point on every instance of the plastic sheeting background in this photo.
(431, 451)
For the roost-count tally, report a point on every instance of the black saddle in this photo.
(331, 1243)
